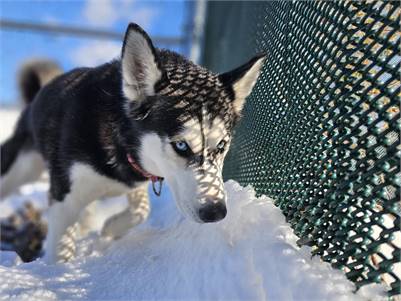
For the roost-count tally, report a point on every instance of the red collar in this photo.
(138, 169)
(147, 175)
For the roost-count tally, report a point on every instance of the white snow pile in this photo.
(250, 255)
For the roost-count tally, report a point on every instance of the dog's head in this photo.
(186, 114)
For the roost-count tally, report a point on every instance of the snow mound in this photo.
(250, 255)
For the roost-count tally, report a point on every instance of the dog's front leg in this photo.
(138, 210)
(63, 229)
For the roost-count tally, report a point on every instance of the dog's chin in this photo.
(188, 213)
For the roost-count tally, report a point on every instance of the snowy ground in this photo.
(250, 255)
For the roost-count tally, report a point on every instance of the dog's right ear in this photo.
(139, 63)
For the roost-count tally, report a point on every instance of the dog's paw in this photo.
(112, 231)
(117, 225)
(24, 233)
(66, 248)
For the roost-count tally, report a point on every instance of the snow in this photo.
(250, 255)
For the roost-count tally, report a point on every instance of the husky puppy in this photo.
(106, 131)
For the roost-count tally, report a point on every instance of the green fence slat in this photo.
(321, 130)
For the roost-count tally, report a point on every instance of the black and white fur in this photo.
(173, 117)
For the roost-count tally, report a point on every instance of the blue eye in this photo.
(221, 145)
(182, 148)
(181, 145)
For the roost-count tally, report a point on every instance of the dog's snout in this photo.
(211, 212)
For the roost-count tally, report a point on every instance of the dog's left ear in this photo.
(242, 80)
(139, 63)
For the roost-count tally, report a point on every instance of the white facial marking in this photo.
(209, 175)
(216, 133)
(158, 157)
(192, 185)
(205, 136)
(192, 134)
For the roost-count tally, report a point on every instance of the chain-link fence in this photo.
(321, 129)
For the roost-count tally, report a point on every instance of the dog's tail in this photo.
(33, 75)
(20, 162)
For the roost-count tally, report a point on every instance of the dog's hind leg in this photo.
(20, 162)
(27, 167)
(138, 210)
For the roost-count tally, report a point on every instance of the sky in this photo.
(158, 18)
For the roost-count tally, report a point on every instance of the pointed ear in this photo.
(139, 63)
(242, 79)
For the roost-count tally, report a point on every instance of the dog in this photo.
(106, 131)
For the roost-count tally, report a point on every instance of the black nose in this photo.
(210, 213)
